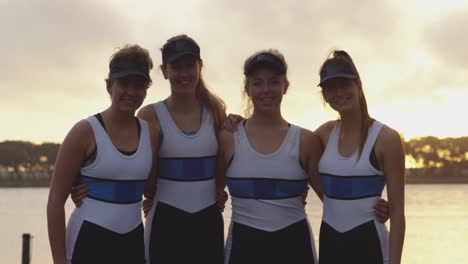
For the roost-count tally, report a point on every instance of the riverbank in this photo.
(40, 183)
(436, 180)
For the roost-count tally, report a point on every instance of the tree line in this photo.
(21, 157)
(425, 155)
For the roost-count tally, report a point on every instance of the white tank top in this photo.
(186, 163)
(115, 182)
(351, 187)
(266, 189)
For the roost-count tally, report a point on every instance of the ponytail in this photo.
(213, 103)
(342, 57)
(343, 54)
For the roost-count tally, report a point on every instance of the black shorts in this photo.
(291, 244)
(358, 245)
(97, 245)
(179, 237)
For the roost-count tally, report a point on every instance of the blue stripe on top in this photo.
(187, 169)
(352, 187)
(265, 188)
(114, 191)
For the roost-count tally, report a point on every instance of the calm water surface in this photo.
(436, 232)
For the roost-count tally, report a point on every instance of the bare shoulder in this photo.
(326, 127)
(82, 132)
(148, 114)
(154, 128)
(309, 142)
(80, 138)
(389, 143)
(388, 136)
(308, 137)
(325, 130)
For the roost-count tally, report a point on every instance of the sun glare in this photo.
(411, 163)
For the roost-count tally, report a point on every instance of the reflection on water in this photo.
(436, 226)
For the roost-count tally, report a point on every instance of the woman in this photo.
(184, 224)
(268, 161)
(361, 156)
(112, 153)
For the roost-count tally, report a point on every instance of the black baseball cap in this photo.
(336, 69)
(178, 48)
(124, 67)
(270, 57)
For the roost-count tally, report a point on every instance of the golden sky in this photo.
(411, 55)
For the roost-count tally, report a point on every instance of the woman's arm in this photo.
(311, 150)
(231, 122)
(148, 114)
(392, 154)
(221, 194)
(150, 184)
(225, 154)
(71, 154)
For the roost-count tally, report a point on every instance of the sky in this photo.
(411, 55)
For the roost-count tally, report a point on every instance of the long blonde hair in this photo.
(212, 102)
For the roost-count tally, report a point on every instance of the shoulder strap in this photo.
(239, 136)
(144, 128)
(332, 143)
(98, 130)
(162, 113)
(374, 131)
(292, 141)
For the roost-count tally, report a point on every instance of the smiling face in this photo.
(183, 74)
(127, 93)
(342, 94)
(266, 87)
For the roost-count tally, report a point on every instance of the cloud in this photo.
(44, 42)
(305, 31)
(53, 39)
(55, 53)
(447, 38)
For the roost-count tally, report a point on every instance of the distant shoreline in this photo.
(24, 183)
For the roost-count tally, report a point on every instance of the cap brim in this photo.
(274, 65)
(182, 54)
(266, 58)
(340, 75)
(122, 74)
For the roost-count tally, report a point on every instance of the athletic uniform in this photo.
(269, 224)
(107, 228)
(350, 232)
(185, 225)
